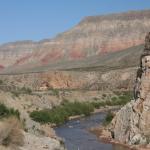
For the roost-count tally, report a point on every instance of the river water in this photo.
(77, 137)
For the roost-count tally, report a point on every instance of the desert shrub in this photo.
(6, 112)
(11, 135)
(128, 94)
(60, 114)
(15, 93)
(23, 90)
(97, 105)
(117, 92)
(104, 95)
(114, 98)
(122, 97)
(115, 101)
(64, 101)
(96, 99)
(55, 92)
(78, 108)
(1, 82)
(26, 90)
(108, 118)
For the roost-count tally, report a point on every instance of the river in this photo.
(77, 137)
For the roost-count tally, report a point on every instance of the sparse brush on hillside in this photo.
(108, 118)
(55, 92)
(1, 82)
(26, 90)
(60, 114)
(11, 135)
(7, 112)
(121, 98)
(23, 90)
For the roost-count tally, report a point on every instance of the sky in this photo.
(41, 19)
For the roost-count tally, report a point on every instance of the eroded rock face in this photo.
(122, 79)
(132, 123)
(93, 36)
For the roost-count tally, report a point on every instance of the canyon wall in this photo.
(93, 36)
(132, 123)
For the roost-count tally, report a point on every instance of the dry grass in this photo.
(11, 135)
(7, 148)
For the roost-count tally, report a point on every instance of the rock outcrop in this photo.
(132, 123)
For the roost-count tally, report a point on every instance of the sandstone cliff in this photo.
(132, 123)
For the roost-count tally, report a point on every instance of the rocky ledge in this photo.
(131, 125)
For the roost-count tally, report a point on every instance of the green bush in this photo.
(61, 114)
(122, 98)
(15, 93)
(26, 90)
(1, 82)
(97, 105)
(55, 92)
(108, 118)
(114, 98)
(104, 95)
(128, 94)
(23, 90)
(6, 112)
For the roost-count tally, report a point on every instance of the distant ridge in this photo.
(92, 37)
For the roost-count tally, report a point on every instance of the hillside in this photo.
(110, 71)
(90, 43)
(114, 60)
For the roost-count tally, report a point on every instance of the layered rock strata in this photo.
(93, 36)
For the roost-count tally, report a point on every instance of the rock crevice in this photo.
(131, 124)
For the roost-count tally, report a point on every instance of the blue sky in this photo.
(40, 19)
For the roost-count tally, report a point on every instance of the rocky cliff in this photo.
(132, 123)
(93, 36)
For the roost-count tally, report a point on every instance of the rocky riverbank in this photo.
(131, 125)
